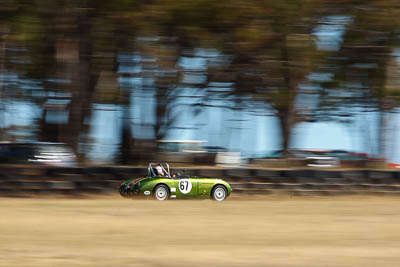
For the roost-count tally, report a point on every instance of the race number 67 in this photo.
(185, 186)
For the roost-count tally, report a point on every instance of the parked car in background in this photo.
(184, 151)
(39, 153)
(322, 158)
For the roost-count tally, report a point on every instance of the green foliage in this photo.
(361, 67)
(269, 49)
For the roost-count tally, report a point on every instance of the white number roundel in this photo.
(185, 186)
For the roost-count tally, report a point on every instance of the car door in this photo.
(204, 187)
(186, 187)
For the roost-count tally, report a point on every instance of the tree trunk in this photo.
(286, 129)
(3, 106)
(79, 69)
(382, 133)
(286, 110)
(161, 111)
(126, 132)
(3, 35)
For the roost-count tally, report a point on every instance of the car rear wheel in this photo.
(161, 192)
(219, 193)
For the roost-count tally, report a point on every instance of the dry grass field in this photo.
(255, 231)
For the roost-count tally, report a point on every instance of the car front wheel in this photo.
(161, 192)
(219, 193)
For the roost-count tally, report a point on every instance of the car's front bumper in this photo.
(129, 193)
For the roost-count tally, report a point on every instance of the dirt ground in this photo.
(253, 231)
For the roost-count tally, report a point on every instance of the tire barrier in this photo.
(34, 180)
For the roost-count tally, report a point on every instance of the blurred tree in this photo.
(174, 30)
(363, 76)
(268, 51)
(272, 51)
(72, 48)
(6, 11)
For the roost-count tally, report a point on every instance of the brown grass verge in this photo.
(243, 231)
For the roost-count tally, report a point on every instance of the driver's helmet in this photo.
(159, 171)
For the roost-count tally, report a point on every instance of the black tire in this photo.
(219, 193)
(161, 192)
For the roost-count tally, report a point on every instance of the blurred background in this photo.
(205, 82)
(276, 87)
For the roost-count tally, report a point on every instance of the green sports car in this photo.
(162, 186)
